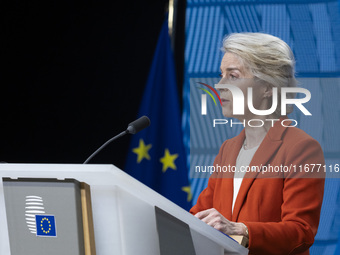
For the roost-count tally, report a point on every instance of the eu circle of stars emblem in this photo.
(46, 225)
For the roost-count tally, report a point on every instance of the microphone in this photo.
(138, 125)
(133, 128)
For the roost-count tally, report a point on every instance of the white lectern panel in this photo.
(123, 211)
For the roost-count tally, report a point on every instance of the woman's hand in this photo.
(213, 218)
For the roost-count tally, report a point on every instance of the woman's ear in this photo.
(268, 91)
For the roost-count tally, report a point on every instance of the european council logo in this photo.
(46, 225)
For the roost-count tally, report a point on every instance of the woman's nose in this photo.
(223, 81)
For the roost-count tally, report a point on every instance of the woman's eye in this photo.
(233, 77)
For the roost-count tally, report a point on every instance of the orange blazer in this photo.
(281, 211)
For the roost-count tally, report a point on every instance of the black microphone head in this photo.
(138, 125)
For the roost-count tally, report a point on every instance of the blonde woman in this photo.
(278, 211)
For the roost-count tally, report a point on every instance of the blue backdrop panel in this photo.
(312, 29)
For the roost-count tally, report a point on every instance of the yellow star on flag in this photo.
(142, 151)
(168, 160)
(187, 189)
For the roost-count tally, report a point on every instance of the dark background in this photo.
(73, 75)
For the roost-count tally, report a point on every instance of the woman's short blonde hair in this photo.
(267, 57)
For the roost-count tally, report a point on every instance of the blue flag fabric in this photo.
(156, 156)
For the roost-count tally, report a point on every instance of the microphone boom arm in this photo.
(106, 143)
(133, 128)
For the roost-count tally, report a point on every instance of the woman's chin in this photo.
(227, 113)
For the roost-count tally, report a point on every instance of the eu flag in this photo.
(156, 156)
(46, 225)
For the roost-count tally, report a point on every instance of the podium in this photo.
(126, 214)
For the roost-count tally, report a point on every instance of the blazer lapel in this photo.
(269, 146)
(230, 159)
(228, 177)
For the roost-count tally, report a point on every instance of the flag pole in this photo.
(171, 17)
